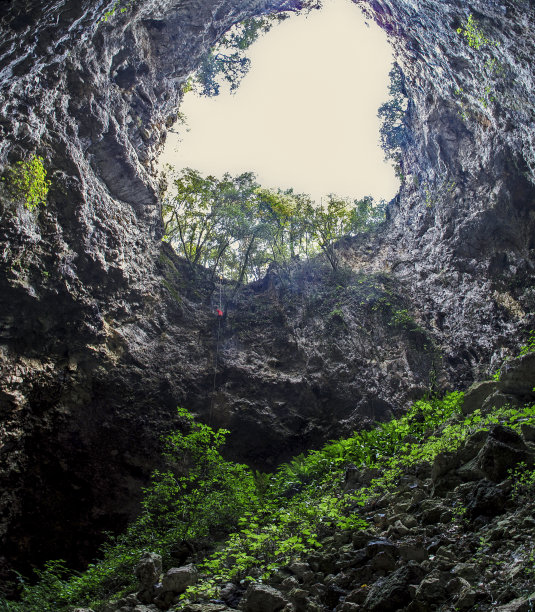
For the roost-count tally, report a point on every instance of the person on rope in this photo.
(219, 312)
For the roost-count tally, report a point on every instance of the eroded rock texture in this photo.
(103, 330)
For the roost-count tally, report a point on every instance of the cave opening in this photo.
(305, 115)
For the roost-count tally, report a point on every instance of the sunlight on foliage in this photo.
(27, 181)
(393, 131)
(264, 521)
(473, 34)
(236, 228)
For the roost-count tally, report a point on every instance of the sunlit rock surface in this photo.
(103, 330)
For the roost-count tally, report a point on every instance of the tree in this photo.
(205, 217)
(330, 222)
(394, 132)
(198, 495)
(286, 215)
(227, 59)
(236, 228)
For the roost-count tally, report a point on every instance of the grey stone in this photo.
(206, 607)
(413, 552)
(528, 432)
(178, 579)
(148, 570)
(518, 377)
(383, 561)
(301, 570)
(477, 394)
(521, 604)
(469, 571)
(263, 598)
(498, 400)
(432, 588)
(503, 450)
(374, 547)
(391, 593)
(467, 599)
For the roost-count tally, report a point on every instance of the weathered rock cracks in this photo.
(103, 330)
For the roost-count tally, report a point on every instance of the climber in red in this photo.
(219, 312)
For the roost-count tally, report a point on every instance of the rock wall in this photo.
(460, 237)
(103, 330)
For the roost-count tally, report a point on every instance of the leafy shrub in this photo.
(272, 519)
(523, 482)
(200, 495)
(529, 347)
(27, 181)
(473, 34)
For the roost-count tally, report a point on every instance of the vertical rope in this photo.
(216, 356)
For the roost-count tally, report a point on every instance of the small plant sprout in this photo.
(473, 34)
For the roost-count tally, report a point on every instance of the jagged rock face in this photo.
(104, 331)
(461, 234)
(83, 401)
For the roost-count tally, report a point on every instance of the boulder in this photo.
(518, 377)
(521, 604)
(413, 552)
(381, 545)
(503, 450)
(263, 598)
(469, 571)
(331, 596)
(528, 432)
(432, 588)
(498, 400)
(467, 598)
(477, 394)
(383, 561)
(392, 593)
(148, 570)
(206, 607)
(178, 579)
(485, 499)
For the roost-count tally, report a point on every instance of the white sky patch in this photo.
(306, 114)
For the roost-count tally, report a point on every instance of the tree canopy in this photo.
(393, 131)
(236, 228)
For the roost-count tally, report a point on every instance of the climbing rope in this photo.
(216, 354)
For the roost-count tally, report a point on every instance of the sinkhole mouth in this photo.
(310, 126)
(305, 114)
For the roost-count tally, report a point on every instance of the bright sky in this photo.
(305, 115)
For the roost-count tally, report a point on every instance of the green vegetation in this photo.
(261, 522)
(471, 103)
(236, 228)
(394, 132)
(268, 519)
(529, 347)
(227, 60)
(117, 6)
(523, 482)
(26, 181)
(472, 33)
(199, 495)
